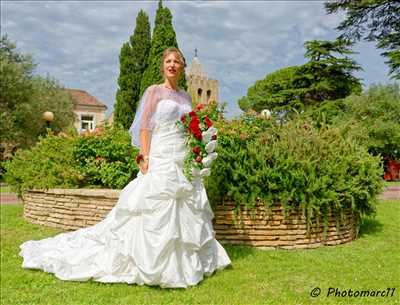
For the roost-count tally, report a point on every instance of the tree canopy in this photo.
(23, 99)
(372, 20)
(133, 62)
(326, 76)
(163, 37)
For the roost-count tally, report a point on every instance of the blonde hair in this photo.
(168, 51)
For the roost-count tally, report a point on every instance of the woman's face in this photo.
(172, 66)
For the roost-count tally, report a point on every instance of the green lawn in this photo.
(255, 277)
(392, 183)
(5, 189)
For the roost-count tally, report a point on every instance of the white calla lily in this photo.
(209, 159)
(211, 146)
(208, 134)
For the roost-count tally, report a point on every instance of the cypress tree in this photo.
(163, 37)
(133, 62)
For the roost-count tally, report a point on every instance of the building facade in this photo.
(89, 112)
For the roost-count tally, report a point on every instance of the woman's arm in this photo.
(144, 149)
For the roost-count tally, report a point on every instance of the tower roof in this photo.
(196, 68)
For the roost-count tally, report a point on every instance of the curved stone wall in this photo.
(68, 209)
(71, 209)
(271, 229)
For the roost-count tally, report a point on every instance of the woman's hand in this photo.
(144, 166)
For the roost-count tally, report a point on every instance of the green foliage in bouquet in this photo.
(295, 164)
(49, 164)
(106, 159)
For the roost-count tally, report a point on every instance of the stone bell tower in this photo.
(201, 88)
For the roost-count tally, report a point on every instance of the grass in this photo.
(5, 189)
(255, 277)
(392, 183)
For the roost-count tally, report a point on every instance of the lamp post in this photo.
(48, 116)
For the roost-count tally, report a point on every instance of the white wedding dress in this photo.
(160, 230)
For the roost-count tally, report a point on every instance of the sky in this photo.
(238, 42)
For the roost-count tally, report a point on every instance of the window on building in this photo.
(199, 93)
(208, 95)
(87, 122)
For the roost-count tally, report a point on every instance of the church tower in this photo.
(201, 88)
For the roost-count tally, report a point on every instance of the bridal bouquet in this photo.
(201, 140)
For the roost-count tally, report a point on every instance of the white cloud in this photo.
(78, 43)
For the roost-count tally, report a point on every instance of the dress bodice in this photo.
(169, 110)
(158, 106)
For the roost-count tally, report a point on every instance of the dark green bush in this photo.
(373, 120)
(48, 164)
(106, 159)
(295, 164)
(94, 160)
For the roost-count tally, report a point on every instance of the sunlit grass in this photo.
(255, 277)
(392, 183)
(5, 189)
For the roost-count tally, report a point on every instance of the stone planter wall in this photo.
(271, 229)
(71, 209)
(68, 209)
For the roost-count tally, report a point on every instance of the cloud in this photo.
(239, 42)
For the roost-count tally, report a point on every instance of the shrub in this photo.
(106, 158)
(373, 120)
(295, 164)
(48, 164)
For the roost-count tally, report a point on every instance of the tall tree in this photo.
(133, 62)
(324, 77)
(372, 20)
(163, 37)
(23, 99)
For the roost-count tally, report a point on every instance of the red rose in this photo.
(208, 122)
(139, 158)
(199, 106)
(198, 135)
(198, 159)
(195, 119)
(192, 113)
(183, 119)
(214, 137)
(194, 125)
(196, 150)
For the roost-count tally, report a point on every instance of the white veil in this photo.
(144, 115)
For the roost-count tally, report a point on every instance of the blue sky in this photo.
(238, 42)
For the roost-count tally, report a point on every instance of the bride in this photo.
(160, 230)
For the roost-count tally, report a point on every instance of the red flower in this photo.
(195, 119)
(196, 150)
(183, 119)
(198, 159)
(139, 158)
(192, 113)
(208, 122)
(194, 124)
(199, 106)
(214, 137)
(198, 135)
